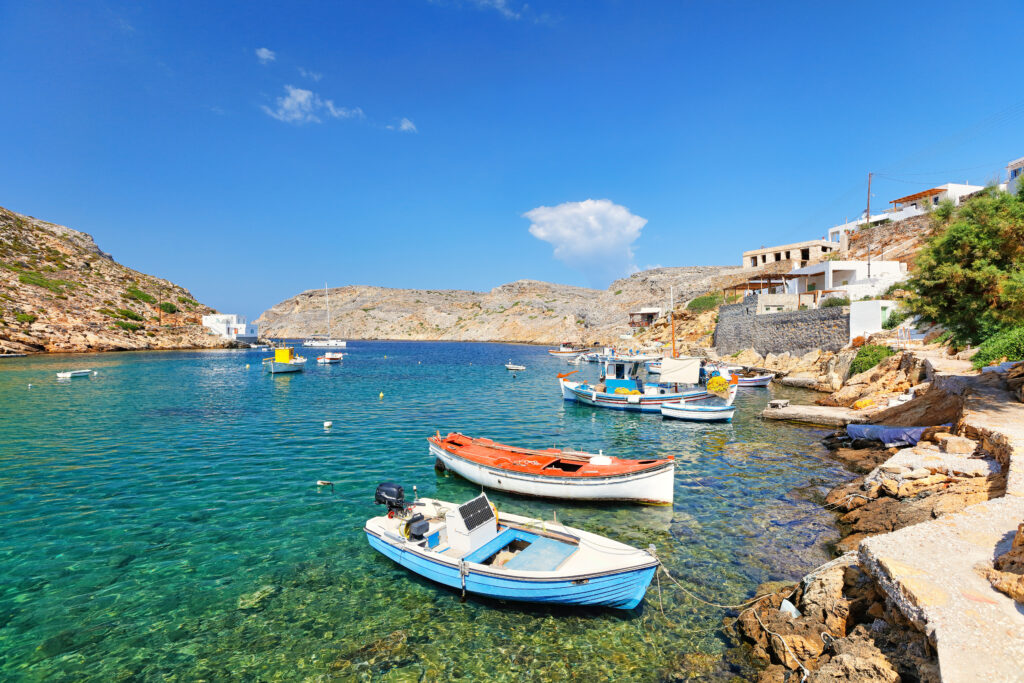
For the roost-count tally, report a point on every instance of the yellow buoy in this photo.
(381, 396)
(246, 366)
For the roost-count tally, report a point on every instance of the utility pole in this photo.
(867, 224)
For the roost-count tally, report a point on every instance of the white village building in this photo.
(231, 326)
(853, 279)
(1014, 171)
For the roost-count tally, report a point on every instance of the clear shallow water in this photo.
(140, 505)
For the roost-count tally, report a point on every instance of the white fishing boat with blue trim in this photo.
(470, 548)
(620, 386)
(710, 408)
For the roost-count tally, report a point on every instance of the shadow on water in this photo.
(161, 519)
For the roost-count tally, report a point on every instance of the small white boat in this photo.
(284, 360)
(330, 358)
(507, 557)
(512, 366)
(576, 360)
(68, 374)
(705, 409)
(567, 349)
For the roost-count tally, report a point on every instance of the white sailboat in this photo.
(328, 341)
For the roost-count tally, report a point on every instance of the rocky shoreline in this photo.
(876, 612)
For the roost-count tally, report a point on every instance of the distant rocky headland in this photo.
(526, 311)
(60, 293)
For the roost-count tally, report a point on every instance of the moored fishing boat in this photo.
(620, 387)
(710, 408)
(68, 374)
(555, 473)
(330, 358)
(748, 377)
(284, 360)
(566, 349)
(511, 557)
(513, 366)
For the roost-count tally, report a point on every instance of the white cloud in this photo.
(311, 75)
(265, 56)
(593, 236)
(404, 125)
(502, 7)
(305, 106)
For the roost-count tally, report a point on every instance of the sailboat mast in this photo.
(328, 297)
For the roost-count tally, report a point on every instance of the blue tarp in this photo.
(890, 436)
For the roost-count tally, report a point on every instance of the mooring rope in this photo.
(803, 669)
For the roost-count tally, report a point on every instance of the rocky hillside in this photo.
(522, 311)
(59, 292)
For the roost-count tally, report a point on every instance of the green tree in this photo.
(970, 273)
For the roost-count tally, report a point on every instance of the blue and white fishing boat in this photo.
(621, 388)
(469, 547)
(710, 408)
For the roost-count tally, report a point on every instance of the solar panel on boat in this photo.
(476, 512)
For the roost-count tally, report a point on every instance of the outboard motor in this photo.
(392, 495)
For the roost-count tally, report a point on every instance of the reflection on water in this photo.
(161, 519)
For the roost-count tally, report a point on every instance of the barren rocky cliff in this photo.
(524, 311)
(60, 292)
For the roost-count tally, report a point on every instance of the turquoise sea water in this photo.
(161, 520)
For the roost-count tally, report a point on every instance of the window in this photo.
(787, 255)
(935, 199)
(805, 253)
(778, 256)
(753, 261)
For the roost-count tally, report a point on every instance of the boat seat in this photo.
(543, 555)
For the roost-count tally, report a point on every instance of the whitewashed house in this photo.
(231, 326)
(1014, 171)
(868, 317)
(853, 279)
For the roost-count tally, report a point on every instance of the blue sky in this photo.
(417, 134)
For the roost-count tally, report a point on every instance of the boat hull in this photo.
(681, 411)
(276, 368)
(642, 403)
(653, 486)
(762, 381)
(623, 589)
(325, 343)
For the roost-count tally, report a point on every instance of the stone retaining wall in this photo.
(798, 332)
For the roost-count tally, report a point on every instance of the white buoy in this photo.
(328, 424)
(94, 373)
(324, 482)
(29, 386)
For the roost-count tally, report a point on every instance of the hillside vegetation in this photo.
(59, 292)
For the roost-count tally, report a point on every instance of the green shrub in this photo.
(188, 302)
(834, 301)
(168, 307)
(130, 315)
(1008, 344)
(705, 303)
(618, 291)
(125, 325)
(108, 312)
(137, 294)
(868, 356)
(25, 318)
(895, 318)
(55, 286)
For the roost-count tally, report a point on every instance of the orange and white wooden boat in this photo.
(553, 472)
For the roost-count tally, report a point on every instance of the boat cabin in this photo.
(284, 355)
(621, 374)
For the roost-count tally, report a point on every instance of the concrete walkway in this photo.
(930, 570)
(817, 415)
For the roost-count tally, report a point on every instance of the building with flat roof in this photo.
(854, 279)
(231, 326)
(926, 199)
(800, 253)
(644, 317)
